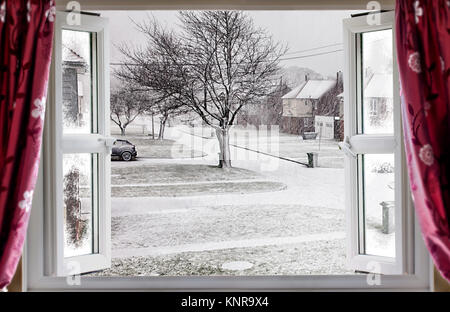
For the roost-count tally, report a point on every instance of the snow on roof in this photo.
(69, 55)
(379, 86)
(293, 93)
(311, 89)
(315, 89)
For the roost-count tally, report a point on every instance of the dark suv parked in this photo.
(124, 150)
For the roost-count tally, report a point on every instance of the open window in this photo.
(374, 165)
(281, 218)
(79, 222)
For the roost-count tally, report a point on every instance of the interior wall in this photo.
(16, 283)
(440, 284)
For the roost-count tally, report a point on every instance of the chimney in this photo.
(338, 76)
(306, 77)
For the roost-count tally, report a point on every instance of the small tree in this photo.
(165, 108)
(76, 226)
(127, 103)
(140, 73)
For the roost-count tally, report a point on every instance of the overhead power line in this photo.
(312, 49)
(281, 59)
(310, 55)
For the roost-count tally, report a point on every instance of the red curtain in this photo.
(423, 51)
(26, 34)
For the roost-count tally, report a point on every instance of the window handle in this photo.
(109, 141)
(346, 147)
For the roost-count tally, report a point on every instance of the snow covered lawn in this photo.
(192, 189)
(203, 224)
(319, 257)
(141, 179)
(185, 216)
(280, 144)
(171, 173)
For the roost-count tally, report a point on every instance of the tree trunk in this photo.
(162, 127)
(153, 126)
(224, 144)
(122, 131)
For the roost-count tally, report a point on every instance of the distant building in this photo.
(266, 111)
(339, 123)
(313, 106)
(378, 98)
(76, 86)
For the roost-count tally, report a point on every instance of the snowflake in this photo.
(426, 154)
(39, 110)
(25, 204)
(414, 62)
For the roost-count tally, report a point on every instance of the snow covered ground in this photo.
(297, 229)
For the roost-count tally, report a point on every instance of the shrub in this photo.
(385, 167)
(76, 225)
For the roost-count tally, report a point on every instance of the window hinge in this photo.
(346, 147)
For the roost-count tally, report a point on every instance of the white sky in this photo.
(300, 30)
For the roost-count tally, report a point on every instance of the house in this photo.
(76, 86)
(266, 111)
(378, 98)
(312, 107)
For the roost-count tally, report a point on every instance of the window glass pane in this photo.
(378, 206)
(80, 203)
(377, 86)
(78, 81)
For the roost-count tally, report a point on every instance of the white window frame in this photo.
(57, 144)
(372, 144)
(35, 278)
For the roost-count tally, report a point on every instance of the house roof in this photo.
(293, 93)
(379, 86)
(311, 89)
(71, 56)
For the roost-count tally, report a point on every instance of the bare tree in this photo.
(127, 103)
(217, 64)
(165, 108)
(270, 109)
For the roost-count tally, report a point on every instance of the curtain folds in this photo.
(423, 51)
(26, 34)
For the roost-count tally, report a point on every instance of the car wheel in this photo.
(126, 156)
